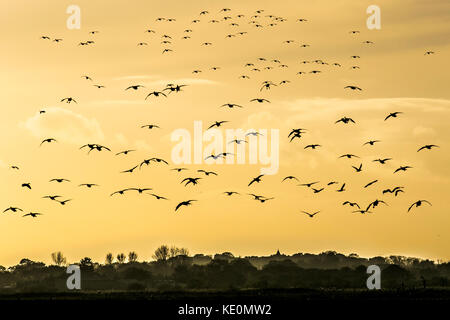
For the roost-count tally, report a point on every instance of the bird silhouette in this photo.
(49, 140)
(311, 215)
(32, 214)
(428, 147)
(184, 203)
(392, 115)
(418, 203)
(256, 179)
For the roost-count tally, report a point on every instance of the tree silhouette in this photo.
(132, 256)
(121, 258)
(162, 253)
(58, 258)
(109, 258)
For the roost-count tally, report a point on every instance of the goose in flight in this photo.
(215, 157)
(349, 156)
(231, 105)
(135, 87)
(194, 181)
(69, 100)
(311, 215)
(230, 193)
(375, 203)
(59, 180)
(428, 53)
(257, 179)
(179, 169)
(63, 203)
(262, 200)
(345, 120)
(253, 133)
(13, 209)
(139, 190)
(358, 169)
(308, 184)
(353, 88)
(159, 160)
(382, 161)
(53, 198)
(156, 94)
(49, 140)
(88, 185)
(351, 204)
(32, 214)
(267, 85)
(174, 88)
(150, 126)
(184, 203)
(237, 141)
(402, 168)
(256, 197)
(98, 86)
(158, 197)
(217, 124)
(392, 115)
(370, 183)
(428, 147)
(362, 211)
(26, 185)
(86, 77)
(121, 192)
(342, 189)
(289, 178)
(125, 152)
(391, 190)
(129, 170)
(371, 142)
(317, 190)
(418, 203)
(312, 146)
(260, 100)
(15, 167)
(207, 173)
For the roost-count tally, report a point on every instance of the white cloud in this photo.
(64, 125)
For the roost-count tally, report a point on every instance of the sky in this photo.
(394, 73)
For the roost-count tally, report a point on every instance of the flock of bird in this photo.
(258, 20)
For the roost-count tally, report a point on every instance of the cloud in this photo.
(64, 125)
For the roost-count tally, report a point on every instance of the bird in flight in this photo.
(402, 168)
(194, 181)
(88, 185)
(156, 94)
(49, 140)
(370, 183)
(63, 203)
(308, 184)
(184, 203)
(13, 209)
(69, 100)
(32, 214)
(418, 203)
(53, 198)
(428, 147)
(351, 204)
(311, 215)
(231, 105)
(230, 193)
(342, 189)
(353, 88)
(59, 180)
(260, 100)
(349, 156)
(217, 124)
(125, 152)
(345, 120)
(371, 142)
(135, 87)
(158, 197)
(257, 179)
(26, 185)
(392, 115)
(382, 161)
(375, 204)
(289, 178)
(129, 170)
(207, 173)
(358, 169)
(150, 126)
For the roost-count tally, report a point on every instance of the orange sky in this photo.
(394, 74)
